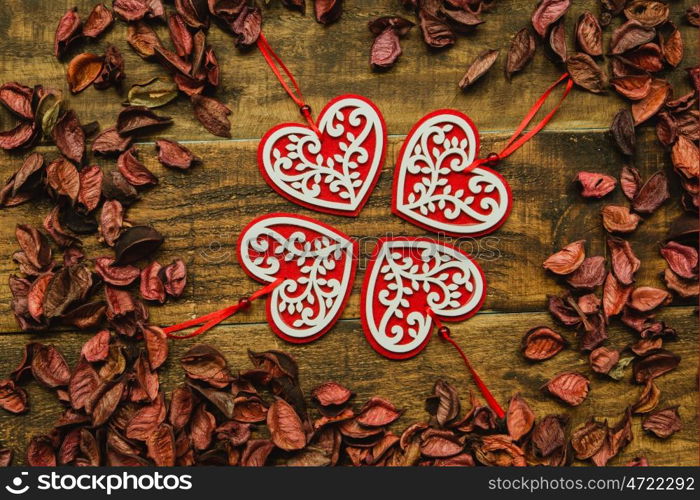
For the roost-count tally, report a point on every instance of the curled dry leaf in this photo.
(116, 275)
(650, 105)
(136, 118)
(156, 92)
(630, 35)
(588, 438)
(566, 260)
(595, 185)
(180, 35)
(619, 219)
(111, 221)
(682, 259)
(130, 10)
(437, 34)
(97, 348)
(654, 365)
(648, 399)
(663, 423)
(247, 26)
(151, 286)
(633, 87)
(478, 68)
(99, 19)
(286, 429)
(68, 29)
(40, 452)
(557, 41)
(686, 288)
(109, 142)
(589, 35)
(18, 99)
(444, 403)
(547, 13)
(136, 243)
(692, 14)
(161, 446)
(519, 417)
(13, 398)
(623, 132)
(542, 343)
(570, 387)
(385, 50)
(213, 114)
(90, 191)
(134, 171)
(652, 194)
(63, 178)
(436, 443)
(647, 298)
(630, 181)
(377, 412)
(603, 360)
(203, 362)
(624, 262)
(590, 274)
(143, 39)
(331, 394)
(144, 421)
(69, 137)
(685, 157)
(173, 154)
(49, 367)
(586, 73)
(649, 13)
(20, 136)
(521, 52)
(174, 277)
(328, 11)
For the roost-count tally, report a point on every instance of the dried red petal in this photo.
(378, 412)
(619, 219)
(83, 69)
(143, 39)
(97, 348)
(570, 387)
(286, 429)
(595, 185)
(328, 11)
(542, 343)
(12, 397)
(655, 365)
(663, 423)
(173, 154)
(589, 34)
(630, 35)
(647, 298)
(586, 73)
(18, 99)
(205, 363)
(519, 417)
(652, 194)
(156, 345)
(69, 137)
(130, 10)
(623, 260)
(547, 13)
(151, 286)
(134, 171)
(567, 260)
(136, 118)
(521, 52)
(99, 19)
(20, 136)
(111, 221)
(67, 30)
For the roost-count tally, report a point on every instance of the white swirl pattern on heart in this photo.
(313, 300)
(300, 168)
(442, 272)
(433, 192)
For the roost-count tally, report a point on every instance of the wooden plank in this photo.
(328, 61)
(201, 213)
(491, 340)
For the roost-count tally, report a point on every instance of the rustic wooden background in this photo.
(203, 210)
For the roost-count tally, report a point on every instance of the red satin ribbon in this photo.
(275, 63)
(444, 333)
(517, 140)
(210, 320)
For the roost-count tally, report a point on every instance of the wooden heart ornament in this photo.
(317, 264)
(407, 277)
(433, 186)
(335, 170)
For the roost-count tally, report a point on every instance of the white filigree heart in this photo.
(434, 189)
(317, 263)
(405, 278)
(334, 172)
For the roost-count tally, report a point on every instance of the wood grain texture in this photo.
(202, 211)
(327, 61)
(492, 341)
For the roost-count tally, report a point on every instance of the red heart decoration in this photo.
(317, 263)
(431, 187)
(404, 278)
(334, 172)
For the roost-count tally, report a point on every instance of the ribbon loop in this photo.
(294, 91)
(517, 140)
(444, 333)
(210, 320)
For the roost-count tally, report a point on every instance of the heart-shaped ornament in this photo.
(317, 263)
(434, 189)
(407, 277)
(333, 172)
